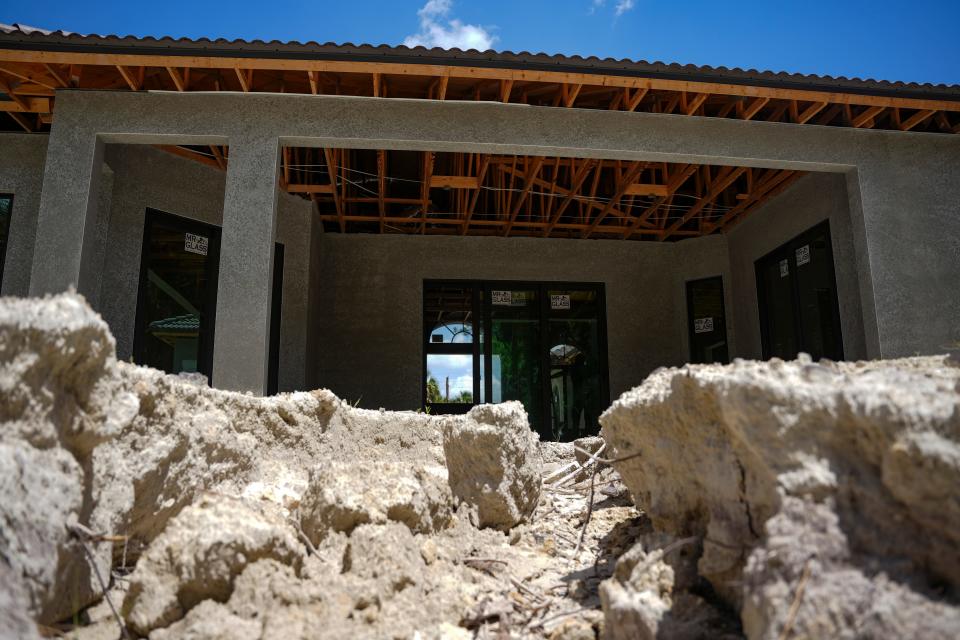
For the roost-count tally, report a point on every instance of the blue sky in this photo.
(917, 41)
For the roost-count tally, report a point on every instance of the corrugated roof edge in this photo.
(24, 37)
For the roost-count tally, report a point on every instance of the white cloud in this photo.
(620, 8)
(437, 29)
(623, 6)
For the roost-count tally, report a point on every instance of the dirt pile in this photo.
(839, 482)
(212, 514)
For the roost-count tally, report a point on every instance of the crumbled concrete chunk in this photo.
(785, 469)
(198, 557)
(342, 495)
(493, 463)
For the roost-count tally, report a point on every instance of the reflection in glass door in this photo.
(546, 348)
(178, 289)
(515, 348)
(573, 339)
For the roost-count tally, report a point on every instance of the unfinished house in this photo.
(431, 229)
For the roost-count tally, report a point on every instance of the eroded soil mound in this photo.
(839, 482)
(211, 514)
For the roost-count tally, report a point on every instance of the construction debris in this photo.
(847, 473)
(781, 498)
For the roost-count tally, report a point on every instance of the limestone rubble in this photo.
(846, 473)
(214, 514)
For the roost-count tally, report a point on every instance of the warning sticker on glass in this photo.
(560, 301)
(784, 268)
(703, 325)
(503, 298)
(510, 298)
(803, 255)
(196, 244)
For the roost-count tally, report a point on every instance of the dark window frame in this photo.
(482, 304)
(788, 250)
(691, 333)
(6, 242)
(207, 337)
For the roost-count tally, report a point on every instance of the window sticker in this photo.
(196, 244)
(784, 268)
(803, 255)
(510, 298)
(703, 325)
(560, 302)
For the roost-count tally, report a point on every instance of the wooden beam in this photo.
(428, 160)
(585, 200)
(128, 78)
(718, 187)
(866, 117)
(915, 119)
(218, 157)
(569, 93)
(311, 188)
(646, 190)
(21, 120)
(60, 80)
(245, 76)
(578, 179)
(188, 154)
(26, 105)
(757, 193)
(442, 87)
(177, 78)
(330, 157)
(312, 78)
(454, 182)
(694, 104)
(375, 77)
(474, 73)
(20, 101)
(481, 174)
(506, 86)
(754, 108)
(622, 183)
(809, 112)
(632, 102)
(533, 168)
(26, 77)
(676, 181)
(381, 185)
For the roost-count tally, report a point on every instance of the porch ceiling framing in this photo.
(460, 193)
(38, 74)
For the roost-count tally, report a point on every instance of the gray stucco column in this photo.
(242, 338)
(65, 252)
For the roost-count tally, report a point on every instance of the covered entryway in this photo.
(543, 344)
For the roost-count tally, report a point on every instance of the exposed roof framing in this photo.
(34, 64)
(379, 191)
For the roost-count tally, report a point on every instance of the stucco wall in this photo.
(21, 173)
(144, 177)
(809, 201)
(371, 290)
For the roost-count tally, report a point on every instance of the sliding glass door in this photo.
(546, 348)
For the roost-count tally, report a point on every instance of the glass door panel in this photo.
(451, 348)
(573, 337)
(515, 349)
(177, 299)
(817, 297)
(775, 296)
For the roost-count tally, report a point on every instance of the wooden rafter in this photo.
(622, 184)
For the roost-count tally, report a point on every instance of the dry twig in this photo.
(795, 605)
(84, 535)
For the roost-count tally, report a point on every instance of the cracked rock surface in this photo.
(846, 472)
